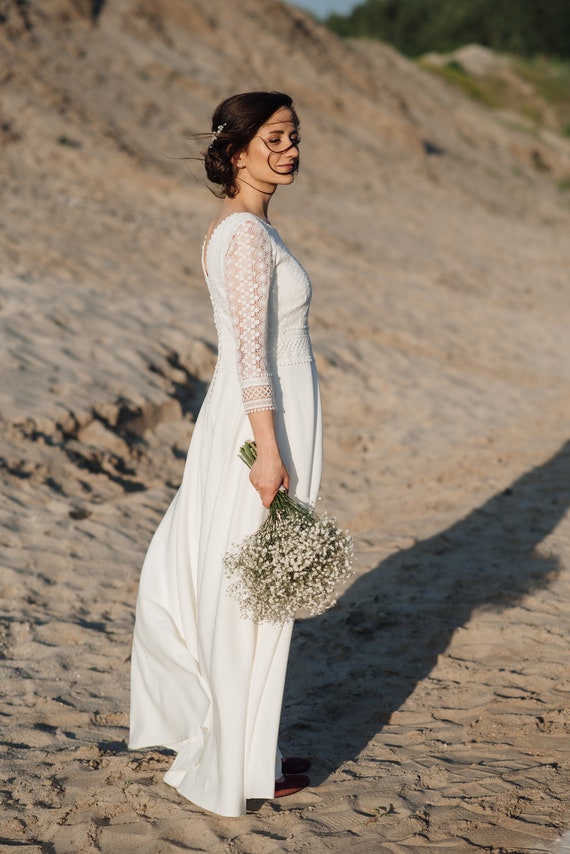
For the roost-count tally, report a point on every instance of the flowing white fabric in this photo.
(204, 681)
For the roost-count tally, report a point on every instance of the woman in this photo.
(205, 681)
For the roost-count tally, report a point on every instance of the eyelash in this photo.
(294, 141)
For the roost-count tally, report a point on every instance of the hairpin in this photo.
(217, 132)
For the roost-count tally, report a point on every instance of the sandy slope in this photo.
(434, 698)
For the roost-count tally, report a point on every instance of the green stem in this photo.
(282, 501)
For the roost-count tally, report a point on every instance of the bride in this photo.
(206, 682)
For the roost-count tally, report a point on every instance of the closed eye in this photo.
(277, 140)
(281, 143)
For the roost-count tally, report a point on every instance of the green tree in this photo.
(526, 27)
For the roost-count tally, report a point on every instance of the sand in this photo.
(433, 699)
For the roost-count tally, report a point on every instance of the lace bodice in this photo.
(260, 295)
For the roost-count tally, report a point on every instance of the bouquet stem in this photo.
(294, 561)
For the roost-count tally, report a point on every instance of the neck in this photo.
(252, 198)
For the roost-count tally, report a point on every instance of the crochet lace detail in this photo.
(248, 278)
(260, 297)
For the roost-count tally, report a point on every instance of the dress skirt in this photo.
(205, 681)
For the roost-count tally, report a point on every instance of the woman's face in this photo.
(272, 156)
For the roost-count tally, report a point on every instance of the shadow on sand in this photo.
(364, 658)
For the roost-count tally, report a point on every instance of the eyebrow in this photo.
(277, 130)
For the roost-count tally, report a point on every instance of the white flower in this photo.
(294, 561)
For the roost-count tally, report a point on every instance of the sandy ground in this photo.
(433, 699)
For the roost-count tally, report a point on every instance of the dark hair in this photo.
(234, 124)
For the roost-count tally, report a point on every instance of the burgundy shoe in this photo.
(292, 784)
(295, 765)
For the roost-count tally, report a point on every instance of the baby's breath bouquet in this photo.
(293, 562)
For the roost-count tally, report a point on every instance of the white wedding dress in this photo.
(204, 681)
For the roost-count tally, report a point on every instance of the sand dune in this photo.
(434, 697)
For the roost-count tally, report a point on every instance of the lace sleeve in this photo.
(248, 269)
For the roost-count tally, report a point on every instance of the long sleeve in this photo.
(248, 273)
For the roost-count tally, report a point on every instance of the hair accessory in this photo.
(216, 133)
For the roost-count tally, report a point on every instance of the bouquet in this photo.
(293, 561)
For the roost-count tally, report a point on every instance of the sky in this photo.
(322, 8)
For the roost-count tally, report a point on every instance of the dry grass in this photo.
(537, 89)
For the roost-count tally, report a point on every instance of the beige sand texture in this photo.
(434, 698)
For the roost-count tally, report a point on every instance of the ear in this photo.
(239, 159)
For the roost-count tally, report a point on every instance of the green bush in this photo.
(486, 91)
(524, 27)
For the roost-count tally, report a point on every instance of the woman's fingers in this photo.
(267, 494)
(268, 484)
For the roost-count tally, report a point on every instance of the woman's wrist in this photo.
(267, 450)
(264, 434)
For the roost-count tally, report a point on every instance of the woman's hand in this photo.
(267, 475)
(268, 472)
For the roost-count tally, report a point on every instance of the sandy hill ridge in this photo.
(406, 188)
(437, 240)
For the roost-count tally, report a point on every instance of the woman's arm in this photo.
(248, 269)
(268, 472)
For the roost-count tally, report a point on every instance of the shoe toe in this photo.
(292, 784)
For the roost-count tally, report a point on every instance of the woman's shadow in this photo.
(351, 667)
